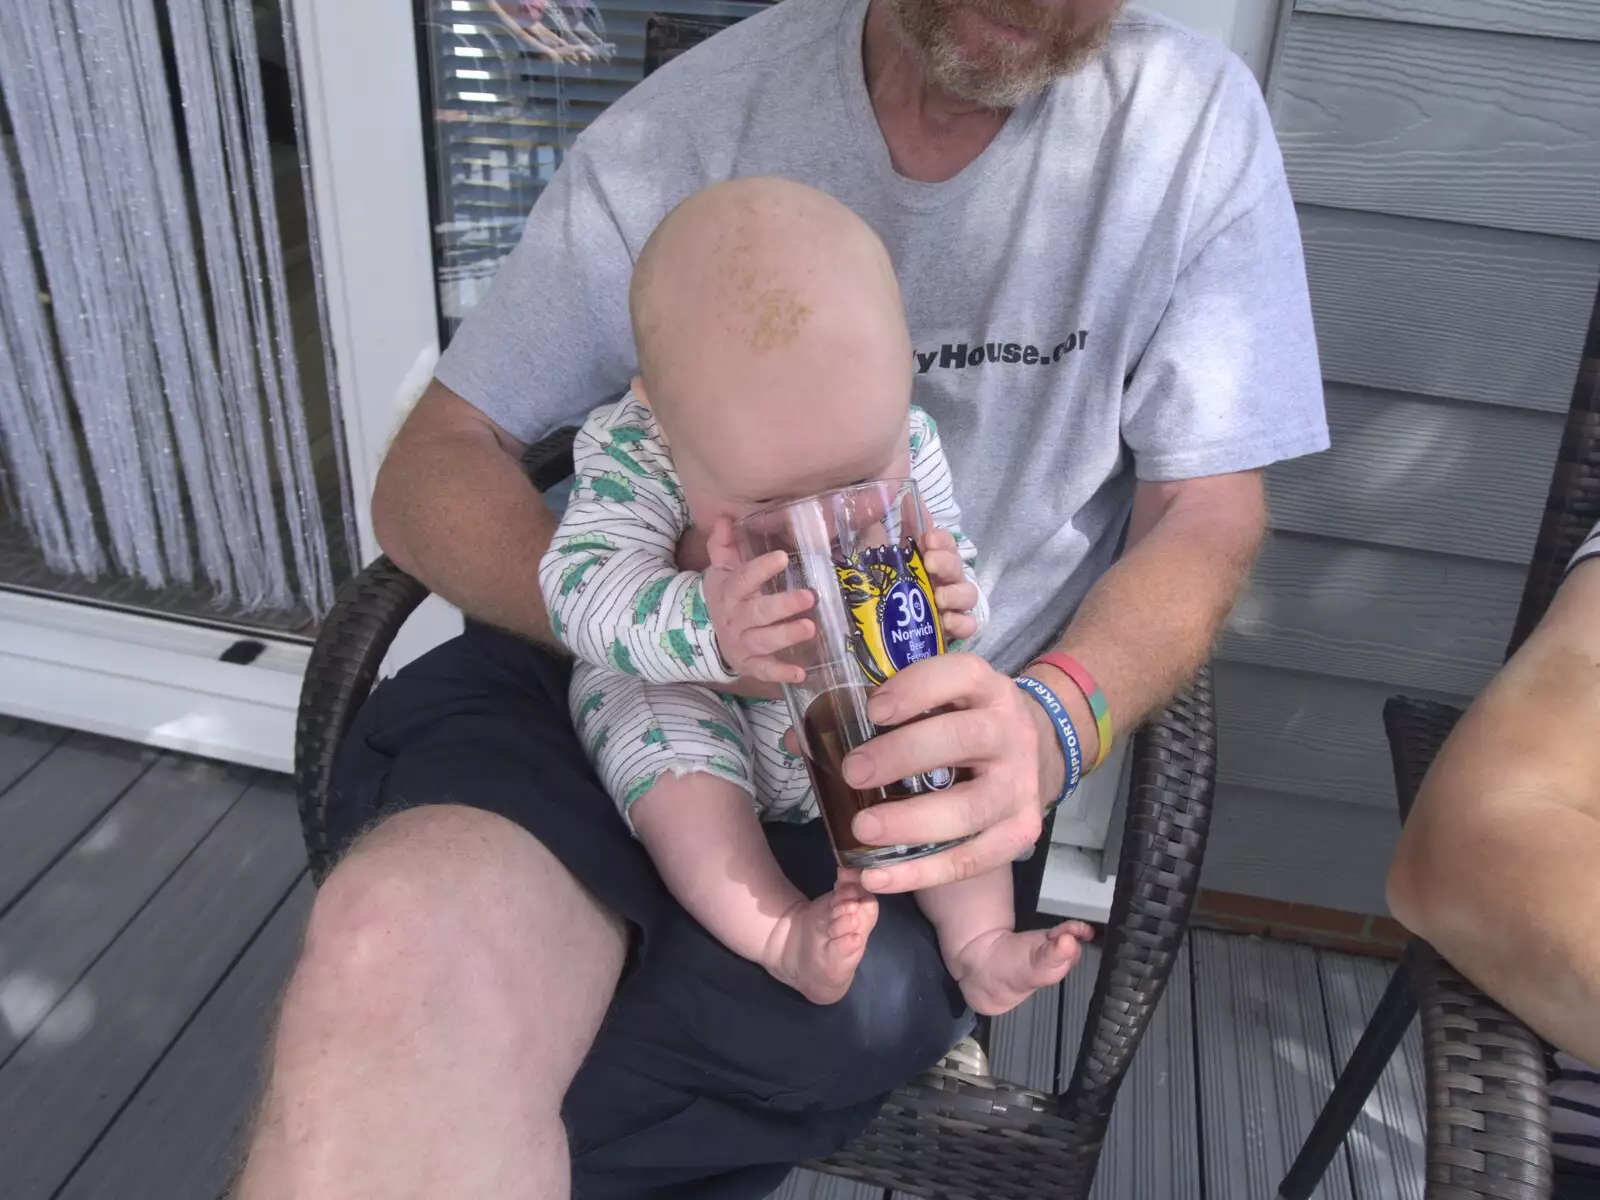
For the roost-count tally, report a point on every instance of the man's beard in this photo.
(1006, 74)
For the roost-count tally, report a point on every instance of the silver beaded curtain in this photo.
(153, 416)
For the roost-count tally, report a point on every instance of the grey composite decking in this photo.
(153, 905)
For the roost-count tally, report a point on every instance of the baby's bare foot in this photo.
(998, 971)
(818, 944)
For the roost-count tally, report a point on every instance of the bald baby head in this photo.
(764, 311)
(761, 262)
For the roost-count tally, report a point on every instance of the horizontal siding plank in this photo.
(1449, 310)
(1450, 124)
(1406, 620)
(1541, 18)
(1300, 849)
(1466, 479)
(1311, 735)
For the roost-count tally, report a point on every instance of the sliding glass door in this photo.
(232, 236)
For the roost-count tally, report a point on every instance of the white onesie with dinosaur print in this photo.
(639, 627)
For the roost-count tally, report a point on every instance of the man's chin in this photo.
(981, 59)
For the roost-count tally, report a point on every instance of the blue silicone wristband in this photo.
(1066, 732)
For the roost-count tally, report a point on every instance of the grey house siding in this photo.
(1445, 157)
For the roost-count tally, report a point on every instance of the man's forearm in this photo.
(1150, 621)
(453, 508)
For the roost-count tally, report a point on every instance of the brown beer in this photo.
(858, 551)
(826, 743)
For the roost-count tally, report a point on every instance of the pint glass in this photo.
(858, 551)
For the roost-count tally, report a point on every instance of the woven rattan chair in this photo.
(946, 1133)
(1488, 1103)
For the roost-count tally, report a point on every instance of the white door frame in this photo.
(158, 681)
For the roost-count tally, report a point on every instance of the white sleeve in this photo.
(931, 470)
(610, 578)
(1589, 549)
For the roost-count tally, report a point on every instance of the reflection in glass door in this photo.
(510, 84)
(169, 438)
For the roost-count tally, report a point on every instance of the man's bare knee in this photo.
(460, 906)
(454, 975)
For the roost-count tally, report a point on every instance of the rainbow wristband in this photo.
(1074, 670)
(1066, 733)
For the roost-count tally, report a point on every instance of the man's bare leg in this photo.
(453, 979)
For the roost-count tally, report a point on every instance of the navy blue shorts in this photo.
(709, 1079)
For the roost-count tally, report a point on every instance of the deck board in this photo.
(159, 909)
(1151, 1145)
(1265, 1063)
(1386, 1144)
(73, 1074)
(809, 1185)
(46, 808)
(1023, 1047)
(65, 922)
(22, 745)
(178, 1137)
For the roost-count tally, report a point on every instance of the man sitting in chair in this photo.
(1088, 216)
(1499, 864)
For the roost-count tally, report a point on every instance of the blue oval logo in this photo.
(908, 620)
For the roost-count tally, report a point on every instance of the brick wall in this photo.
(1331, 928)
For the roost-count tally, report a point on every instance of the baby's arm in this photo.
(611, 579)
(705, 840)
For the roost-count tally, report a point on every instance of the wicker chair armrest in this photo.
(355, 636)
(950, 1135)
(548, 461)
(1158, 877)
(366, 617)
(1488, 1098)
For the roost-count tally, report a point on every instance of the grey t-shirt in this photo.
(1113, 290)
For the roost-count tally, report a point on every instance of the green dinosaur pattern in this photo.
(676, 643)
(556, 627)
(628, 461)
(726, 765)
(694, 608)
(721, 732)
(620, 659)
(592, 703)
(598, 743)
(628, 435)
(572, 577)
(653, 736)
(582, 542)
(648, 602)
(638, 788)
(612, 486)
